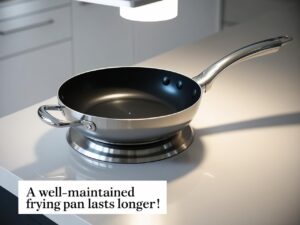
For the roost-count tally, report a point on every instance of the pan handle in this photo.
(205, 78)
(51, 120)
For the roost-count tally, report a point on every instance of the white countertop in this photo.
(243, 166)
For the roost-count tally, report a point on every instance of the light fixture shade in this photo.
(157, 11)
(120, 3)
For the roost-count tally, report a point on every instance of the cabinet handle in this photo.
(27, 27)
(84, 3)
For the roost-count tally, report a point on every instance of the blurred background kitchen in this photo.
(44, 42)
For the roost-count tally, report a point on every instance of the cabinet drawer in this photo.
(16, 8)
(33, 31)
(32, 77)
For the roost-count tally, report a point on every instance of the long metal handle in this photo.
(51, 120)
(205, 78)
(27, 27)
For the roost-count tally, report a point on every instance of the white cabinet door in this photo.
(25, 33)
(31, 77)
(101, 38)
(196, 19)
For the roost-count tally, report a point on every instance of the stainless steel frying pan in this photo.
(139, 105)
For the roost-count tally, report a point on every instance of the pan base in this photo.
(116, 153)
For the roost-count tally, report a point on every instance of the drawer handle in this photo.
(27, 27)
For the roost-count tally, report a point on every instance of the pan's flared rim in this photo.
(60, 102)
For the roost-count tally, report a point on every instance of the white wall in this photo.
(239, 11)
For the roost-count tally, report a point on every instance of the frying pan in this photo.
(139, 105)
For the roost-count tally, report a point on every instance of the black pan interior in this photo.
(129, 92)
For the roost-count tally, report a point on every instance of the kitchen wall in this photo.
(45, 42)
(240, 11)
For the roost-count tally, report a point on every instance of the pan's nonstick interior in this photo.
(126, 107)
(129, 93)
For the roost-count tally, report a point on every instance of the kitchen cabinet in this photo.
(33, 31)
(29, 78)
(35, 51)
(10, 9)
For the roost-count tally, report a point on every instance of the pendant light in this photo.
(153, 12)
(142, 10)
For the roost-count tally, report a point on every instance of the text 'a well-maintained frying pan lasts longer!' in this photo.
(139, 105)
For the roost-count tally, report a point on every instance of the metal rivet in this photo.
(166, 81)
(88, 125)
(195, 92)
(179, 84)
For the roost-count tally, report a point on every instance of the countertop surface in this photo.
(243, 166)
